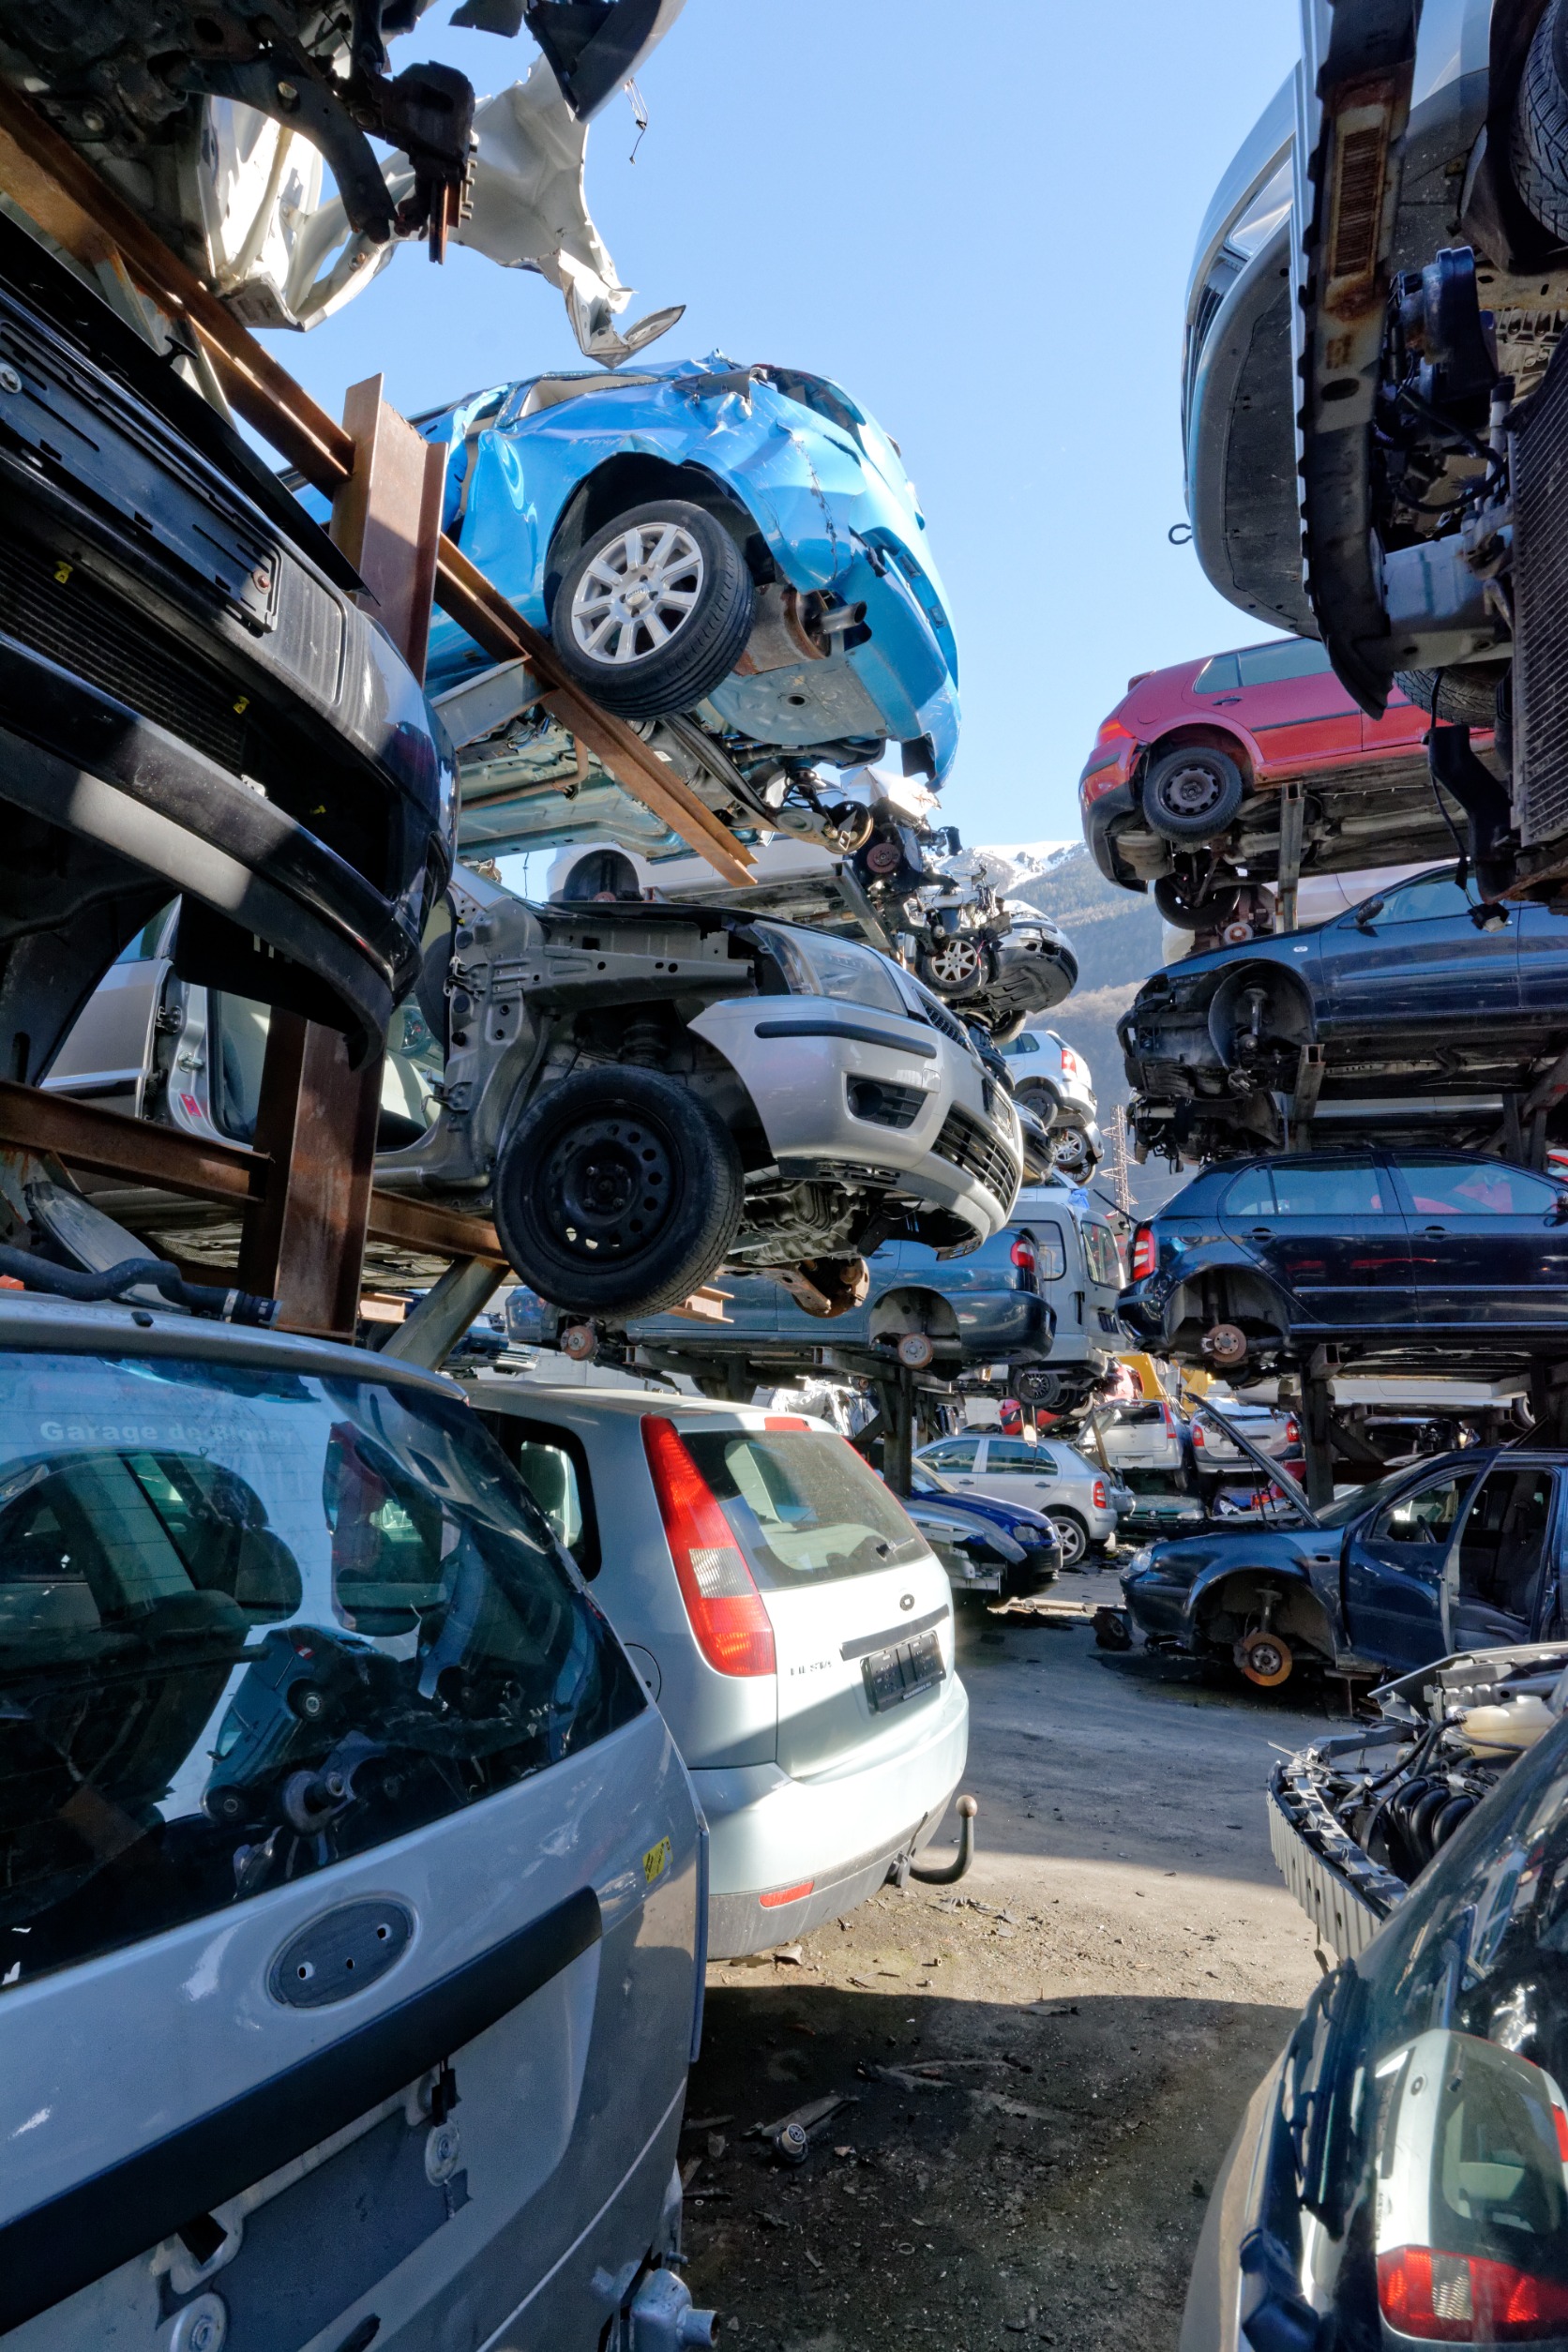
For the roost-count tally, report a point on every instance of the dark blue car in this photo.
(923, 1311)
(1425, 1255)
(1421, 1015)
(1463, 1552)
(986, 1546)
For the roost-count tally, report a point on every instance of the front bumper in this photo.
(1345, 1894)
(841, 1829)
(806, 1061)
(1158, 1608)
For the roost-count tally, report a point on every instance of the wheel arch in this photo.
(634, 478)
(908, 1307)
(1286, 989)
(1204, 735)
(1232, 1598)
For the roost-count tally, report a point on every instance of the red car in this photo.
(1182, 789)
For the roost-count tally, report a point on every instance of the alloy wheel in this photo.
(639, 590)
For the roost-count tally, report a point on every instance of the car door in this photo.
(1395, 1568)
(1498, 1568)
(1417, 958)
(1294, 707)
(1401, 729)
(957, 1458)
(1016, 1471)
(1331, 1234)
(1486, 1243)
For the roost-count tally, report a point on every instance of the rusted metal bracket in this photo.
(1292, 820)
(1310, 1067)
(59, 189)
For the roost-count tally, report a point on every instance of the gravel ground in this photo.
(1043, 2066)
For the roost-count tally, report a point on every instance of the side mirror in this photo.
(1489, 917)
(1365, 916)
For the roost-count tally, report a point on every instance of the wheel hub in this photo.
(955, 963)
(607, 1186)
(638, 592)
(1191, 791)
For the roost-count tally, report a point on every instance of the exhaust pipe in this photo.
(948, 1874)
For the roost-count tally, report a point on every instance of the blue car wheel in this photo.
(655, 611)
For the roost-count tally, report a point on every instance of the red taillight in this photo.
(1463, 2298)
(1292, 1431)
(1198, 1436)
(1146, 1253)
(786, 1894)
(1100, 1504)
(1024, 1259)
(1112, 730)
(720, 1593)
(1070, 1064)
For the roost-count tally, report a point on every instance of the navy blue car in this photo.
(1463, 1552)
(1425, 1255)
(986, 1546)
(1421, 1015)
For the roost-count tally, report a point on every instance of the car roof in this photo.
(536, 1401)
(31, 1320)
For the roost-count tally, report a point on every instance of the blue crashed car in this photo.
(985, 1545)
(735, 550)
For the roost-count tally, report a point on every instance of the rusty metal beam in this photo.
(44, 174)
(106, 1143)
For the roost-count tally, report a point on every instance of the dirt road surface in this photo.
(1093, 2003)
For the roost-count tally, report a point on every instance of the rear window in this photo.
(802, 1506)
(1050, 1250)
(253, 1621)
(1103, 1257)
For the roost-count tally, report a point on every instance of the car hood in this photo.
(1182, 1558)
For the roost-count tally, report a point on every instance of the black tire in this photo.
(617, 1192)
(703, 644)
(1468, 697)
(1038, 1386)
(1210, 913)
(1193, 794)
(1074, 1535)
(1538, 148)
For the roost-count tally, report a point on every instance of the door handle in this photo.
(1436, 1230)
(1261, 1233)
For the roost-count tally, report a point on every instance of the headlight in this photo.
(817, 966)
(1140, 1559)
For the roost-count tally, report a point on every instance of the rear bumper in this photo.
(1104, 796)
(839, 1831)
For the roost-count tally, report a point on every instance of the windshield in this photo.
(253, 1621)
(803, 1507)
(1424, 2091)
(924, 1480)
(1348, 1507)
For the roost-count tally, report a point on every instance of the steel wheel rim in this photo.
(637, 593)
(608, 1185)
(1191, 791)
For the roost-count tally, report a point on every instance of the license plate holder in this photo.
(902, 1670)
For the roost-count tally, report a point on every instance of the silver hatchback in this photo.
(794, 1625)
(351, 1890)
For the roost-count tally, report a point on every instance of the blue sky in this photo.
(978, 217)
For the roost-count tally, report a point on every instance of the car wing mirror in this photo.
(1489, 917)
(1366, 916)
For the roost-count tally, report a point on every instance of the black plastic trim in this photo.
(857, 1034)
(867, 1643)
(78, 2237)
